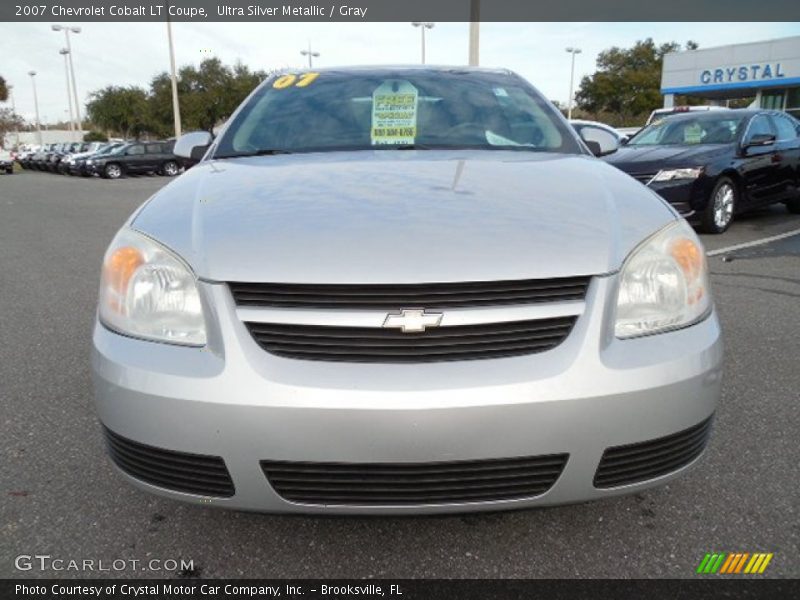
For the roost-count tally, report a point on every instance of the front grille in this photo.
(179, 471)
(376, 344)
(623, 465)
(386, 484)
(644, 177)
(428, 295)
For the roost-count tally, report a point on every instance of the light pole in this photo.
(36, 106)
(176, 107)
(572, 51)
(67, 30)
(474, 33)
(14, 114)
(309, 53)
(423, 26)
(64, 52)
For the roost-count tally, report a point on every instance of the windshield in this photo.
(384, 110)
(687, 131)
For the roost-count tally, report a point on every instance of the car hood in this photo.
(402, 217)
(644, 159)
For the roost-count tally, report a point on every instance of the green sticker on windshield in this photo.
(394, 113)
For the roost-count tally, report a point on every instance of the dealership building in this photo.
(768, 70)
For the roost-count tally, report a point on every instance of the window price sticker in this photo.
(394, 113)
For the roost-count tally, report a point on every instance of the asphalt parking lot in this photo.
(61, 497)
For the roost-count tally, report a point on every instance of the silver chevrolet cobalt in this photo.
(403, 290)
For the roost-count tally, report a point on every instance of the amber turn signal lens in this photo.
(690, 259)
(119, 269)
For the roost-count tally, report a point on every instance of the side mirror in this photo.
(193, 145)
(599, 142)
(760, 139)
(594, 147)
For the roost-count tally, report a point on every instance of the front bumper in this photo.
(233, 400)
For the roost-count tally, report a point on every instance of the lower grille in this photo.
(179, 471)
(375, 344)
(623, 465)
(387, 484)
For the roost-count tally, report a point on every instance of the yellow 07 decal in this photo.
(289, 80)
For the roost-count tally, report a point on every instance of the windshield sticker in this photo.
(693, 134)
(289, 80)
(394, 113)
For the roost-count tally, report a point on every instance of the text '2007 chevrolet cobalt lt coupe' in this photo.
(403, 290)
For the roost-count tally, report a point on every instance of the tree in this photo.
(120, 109)
(626, 85)
(3, 90)
(9, 121)
(95, 136)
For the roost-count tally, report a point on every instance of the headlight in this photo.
(671, 174)
(663, 284)
(89, 161)
(148, 292)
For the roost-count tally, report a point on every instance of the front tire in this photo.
(721, 206)
(170, 168)
(112, 171)
(793, 206)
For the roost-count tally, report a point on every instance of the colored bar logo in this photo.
(734, 563)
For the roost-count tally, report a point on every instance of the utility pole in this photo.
(14, 114)
(309, 53)
(572, 51)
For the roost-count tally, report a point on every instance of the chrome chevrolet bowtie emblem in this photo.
(413, 320)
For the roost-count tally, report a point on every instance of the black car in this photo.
(77, 164)
(711, 166)
(136, 157)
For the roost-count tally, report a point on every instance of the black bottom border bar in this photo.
(701, 588)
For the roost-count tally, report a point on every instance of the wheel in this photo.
(718, 214)
(112, 171)
(793, 206)
(9, 171)
(170, 168)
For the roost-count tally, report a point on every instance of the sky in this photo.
(132, 53)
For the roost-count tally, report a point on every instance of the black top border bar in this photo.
(206, 11)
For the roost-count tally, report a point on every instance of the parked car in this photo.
(677, 110)
(712, 166)
(6, 161)
(39, 160)
(607, 138)
(402, 290)
(136, 157)
(77, 163)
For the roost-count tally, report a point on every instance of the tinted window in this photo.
(785, 128)
(138, 149)
(363, 110)
(154, 148)
(706, 129)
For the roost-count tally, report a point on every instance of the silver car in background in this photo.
(403, 290)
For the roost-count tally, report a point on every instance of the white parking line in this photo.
(766, 240)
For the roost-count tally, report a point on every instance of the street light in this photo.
(309, 53)
(423, 26)
(176, 107)
(36, 105)
(572, 51)
(474, 32)
(67, 30)
(64, 52)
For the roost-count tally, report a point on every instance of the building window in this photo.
(773, 100)
(793, 102)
